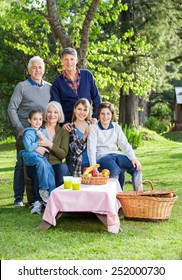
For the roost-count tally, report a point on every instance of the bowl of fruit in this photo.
(91, 175)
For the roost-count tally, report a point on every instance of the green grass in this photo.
(81, 236)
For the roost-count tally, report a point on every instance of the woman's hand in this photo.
(45, 143)
(40, 135)
(41, 150)
(67, 126)
(93, 120)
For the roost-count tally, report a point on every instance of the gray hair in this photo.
(68, 51)
(58, 107)
(35, 59)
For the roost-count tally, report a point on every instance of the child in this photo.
(77, 158)
(102, 147)
(31, 135)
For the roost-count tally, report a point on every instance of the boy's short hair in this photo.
(108, 105)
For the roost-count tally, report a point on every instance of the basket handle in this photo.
(145, 181)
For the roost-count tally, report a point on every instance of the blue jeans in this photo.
(18, 182)
(45, 172)
(32, 174)
(60, 170)
(117, 165)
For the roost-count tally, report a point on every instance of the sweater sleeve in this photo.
(13, 106)
(92, 145)
(96, 99)
(55, 91)
(60, 144)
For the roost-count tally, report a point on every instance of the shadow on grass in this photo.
(7, 146)
(79, 222)
(176, 156)
(5, 169)
(175, 136)
(20, 217)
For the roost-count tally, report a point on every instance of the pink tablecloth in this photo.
(99, 199)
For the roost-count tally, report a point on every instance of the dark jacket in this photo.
(62, 93)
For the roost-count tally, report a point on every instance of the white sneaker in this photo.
(18, 203)
(44, 194)
(37, 207)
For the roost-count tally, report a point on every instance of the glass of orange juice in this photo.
(67, 182)
(76, 183)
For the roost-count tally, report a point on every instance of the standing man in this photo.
(72, 85)
(29, 94)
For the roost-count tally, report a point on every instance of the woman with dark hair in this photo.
(31, 157)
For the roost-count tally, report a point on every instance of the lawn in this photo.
(81, 236)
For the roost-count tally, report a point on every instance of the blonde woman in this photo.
(77, 158)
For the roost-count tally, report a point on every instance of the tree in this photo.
(117, 40)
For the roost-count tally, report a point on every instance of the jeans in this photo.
(60, 170)
(117, 165)
(32, 174)
(45, 172)
(18, 182)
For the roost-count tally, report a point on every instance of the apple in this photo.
(95, 173)
(88, 175)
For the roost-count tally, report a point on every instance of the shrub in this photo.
(133, 135)
(159, 126)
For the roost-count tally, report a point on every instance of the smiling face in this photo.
(69, 62)
(81, 112)
(36, 71)
(52, 115)
(105, 117)
(36, 120)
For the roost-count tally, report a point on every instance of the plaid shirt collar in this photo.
(67, 76)
(73, 84)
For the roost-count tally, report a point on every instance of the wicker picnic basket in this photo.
(153, 205)
(94, 180)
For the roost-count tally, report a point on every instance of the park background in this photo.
(133, 48)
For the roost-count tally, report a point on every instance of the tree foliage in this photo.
(129, 45)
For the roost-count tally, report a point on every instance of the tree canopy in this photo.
(129, 45)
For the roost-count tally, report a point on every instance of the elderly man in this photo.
(29, 94)
(73, 84)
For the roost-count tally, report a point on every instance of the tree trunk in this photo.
(61, 34)
(128, 114)
(143, 111)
